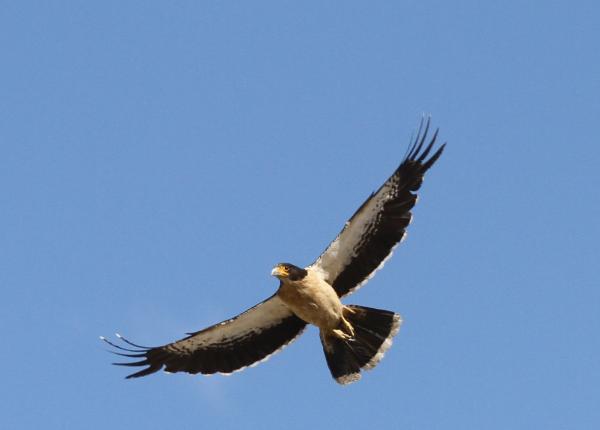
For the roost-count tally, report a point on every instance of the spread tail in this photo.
(373, 333)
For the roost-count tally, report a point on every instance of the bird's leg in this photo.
(346, 331)
(339, 333)
(348, 327)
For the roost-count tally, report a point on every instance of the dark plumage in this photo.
(223, 348)
(294, 273)
(374, 330)
(353, 337)
(373, 241)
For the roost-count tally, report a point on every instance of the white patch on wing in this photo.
(256, 319)
(356, 252)
(340, 253)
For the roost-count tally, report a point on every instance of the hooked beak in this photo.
(278, 272)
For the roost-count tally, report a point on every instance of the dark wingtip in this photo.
(428, 149)
(132, 363)
(102, 338)
(141, 352)
(131, 343)
(148, 371)
(416, 146)
(434, 157)
(416, 153)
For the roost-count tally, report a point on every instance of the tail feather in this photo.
(373, 333)
(341, 360)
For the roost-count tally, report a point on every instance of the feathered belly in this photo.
(316, 303)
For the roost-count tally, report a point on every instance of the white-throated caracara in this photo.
(353, 337)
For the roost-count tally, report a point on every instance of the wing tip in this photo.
(437, 154)
(144, 372)
(418, 151)
(140, 352)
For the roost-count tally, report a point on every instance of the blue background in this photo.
(157, 159)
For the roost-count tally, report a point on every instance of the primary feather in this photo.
(371, 234)
(354, 337)
(231, 345)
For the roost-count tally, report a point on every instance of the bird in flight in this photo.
(353, 337)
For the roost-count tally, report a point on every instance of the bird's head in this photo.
(287, 271)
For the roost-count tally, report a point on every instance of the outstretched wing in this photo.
(222, 348)
(370, 236)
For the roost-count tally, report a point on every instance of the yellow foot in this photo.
(348, 327)
(346, 332)
(349, 310)
(339, 333)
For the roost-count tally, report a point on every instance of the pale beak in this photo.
(277, 272)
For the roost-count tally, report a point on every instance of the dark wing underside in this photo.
(370, 236)
(223, 348)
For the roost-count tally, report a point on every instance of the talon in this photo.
(349, 310)
(349, 327)
(339, 333)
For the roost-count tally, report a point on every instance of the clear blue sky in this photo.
(156, 160)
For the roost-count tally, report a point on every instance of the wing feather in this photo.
(375, 229)
(229, 346)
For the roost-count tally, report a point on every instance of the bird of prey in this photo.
(353, 337)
